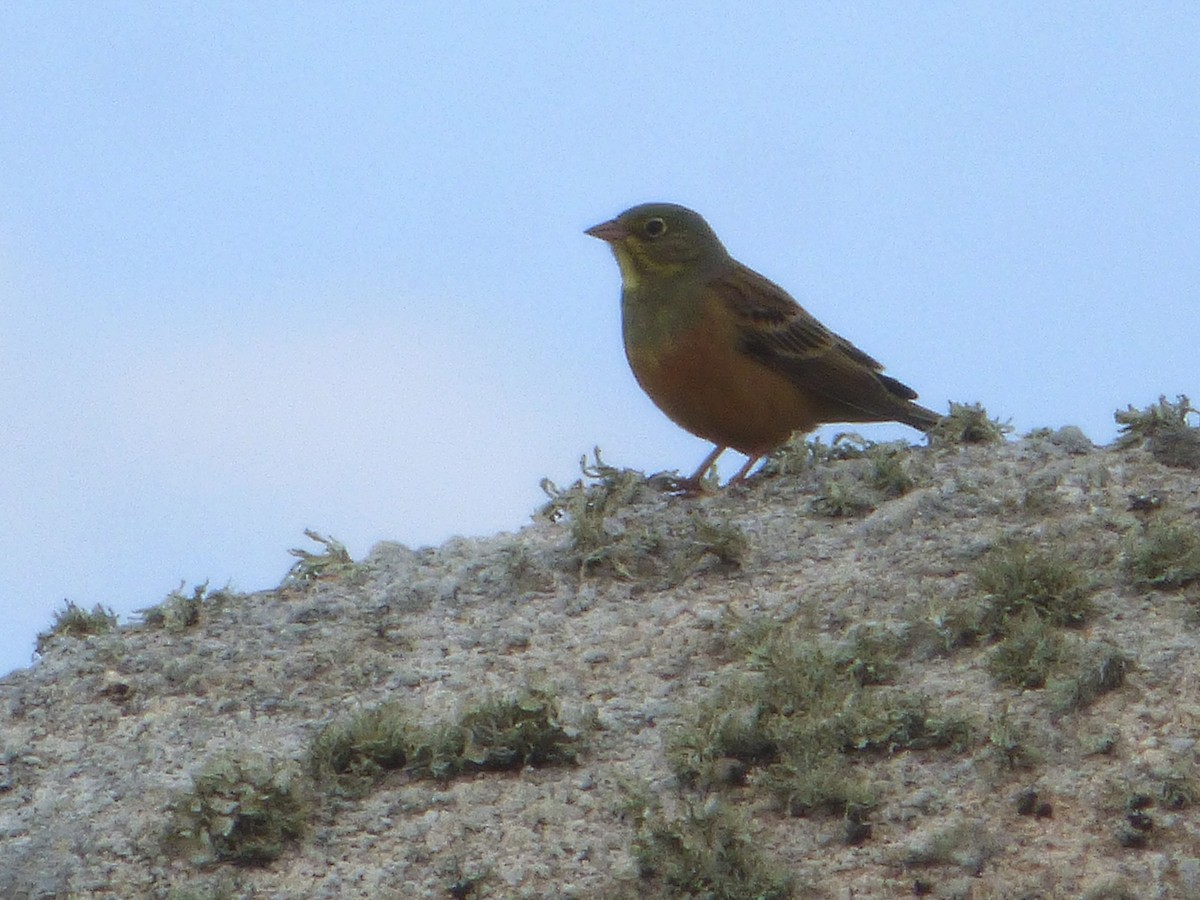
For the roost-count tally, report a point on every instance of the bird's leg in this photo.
(694, 483)
(743, 471)
(707, 464)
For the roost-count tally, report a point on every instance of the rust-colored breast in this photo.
(703, 381)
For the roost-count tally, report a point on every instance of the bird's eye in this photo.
(655, 227)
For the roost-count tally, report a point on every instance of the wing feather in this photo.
(781, 334)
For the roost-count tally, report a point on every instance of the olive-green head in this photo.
(660, 240)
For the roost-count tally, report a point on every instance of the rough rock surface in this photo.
(104, 732)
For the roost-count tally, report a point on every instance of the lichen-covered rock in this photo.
(117, 745)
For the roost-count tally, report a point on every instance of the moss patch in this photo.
(241, 809)
(497, 735)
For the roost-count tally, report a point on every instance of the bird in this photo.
(729, 355)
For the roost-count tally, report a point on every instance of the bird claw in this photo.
(671, 483)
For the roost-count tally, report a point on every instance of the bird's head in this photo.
(660, 240)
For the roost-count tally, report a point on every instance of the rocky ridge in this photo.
(633, 629)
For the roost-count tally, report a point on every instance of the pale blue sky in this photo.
(267, 266)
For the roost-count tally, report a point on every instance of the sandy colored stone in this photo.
(103, 733)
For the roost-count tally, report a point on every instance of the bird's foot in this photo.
(671, 483)
(743, 472)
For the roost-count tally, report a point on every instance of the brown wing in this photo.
(782, 335)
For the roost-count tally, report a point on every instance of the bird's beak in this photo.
(610, 231)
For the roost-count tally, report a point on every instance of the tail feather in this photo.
(899, 388)
(919, 417)
(913, 414)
